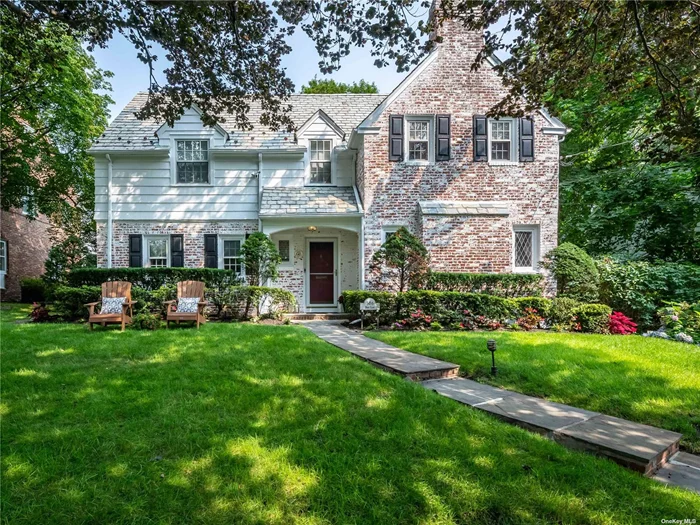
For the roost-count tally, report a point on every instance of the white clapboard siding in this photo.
(142, 187)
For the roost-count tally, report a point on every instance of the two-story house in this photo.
(482, 193)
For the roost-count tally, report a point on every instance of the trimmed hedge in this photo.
(447, 308)
(153, 278)
(594, 318)
(33, 290)
(498, 284)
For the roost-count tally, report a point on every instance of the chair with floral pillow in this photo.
(190, 304)
(117, 306)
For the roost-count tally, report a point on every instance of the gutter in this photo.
(109, 210)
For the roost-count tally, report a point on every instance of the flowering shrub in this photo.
(418, 320)
(621, 324)
(681, 318)
(39, 313)
(530, 320)
(473, 322)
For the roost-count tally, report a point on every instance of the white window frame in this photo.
(514, 139)
(147, 250)
(203, 136)
(4, 258)
(290, 262)
(534, 229)
(391, 228)
(332, 161)
(430, 119)
(220, 249)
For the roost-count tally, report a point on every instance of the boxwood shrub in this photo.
(445, 307)
(152, 278)
(498, 284)
(593, 318)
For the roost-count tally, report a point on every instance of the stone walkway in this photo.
(649, 450)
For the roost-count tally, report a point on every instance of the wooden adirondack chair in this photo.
(187, 289)
(113, 289)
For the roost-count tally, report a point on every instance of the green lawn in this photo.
(239, 423)
(647, 380)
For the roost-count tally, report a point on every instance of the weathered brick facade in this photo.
(28, 245)
(193, 233)
(391, 191)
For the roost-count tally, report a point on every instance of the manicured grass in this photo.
(239, 423)
(647, 380)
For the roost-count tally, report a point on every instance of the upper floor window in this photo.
(320, 156)
(418, 139)
(157, 255)
(502, 140)
(192, 161)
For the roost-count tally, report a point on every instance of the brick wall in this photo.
(28, 245)
(391, 190)
(193, 233)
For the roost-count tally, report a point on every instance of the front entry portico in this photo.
(322, 258)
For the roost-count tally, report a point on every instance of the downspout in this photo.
(109, 211)
(260, 171)
(362, 223)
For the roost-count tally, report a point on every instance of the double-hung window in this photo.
(502, 140)
(192, 162)
(231, 258)
(320, 167)
(418, 140)
(526, 248)
(157, 252)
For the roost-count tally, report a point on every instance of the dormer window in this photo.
(192, 162)
(320, 161)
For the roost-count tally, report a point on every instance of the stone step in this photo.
(640, 447)
(310, 316)
(682, 470)
(407, 364)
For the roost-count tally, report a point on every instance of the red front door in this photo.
(321, 273)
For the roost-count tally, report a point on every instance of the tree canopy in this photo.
(49, 114)
(331, 86)
(224, 55)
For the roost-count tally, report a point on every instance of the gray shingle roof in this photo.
(463, 208)
(310, 200)
(346, 110)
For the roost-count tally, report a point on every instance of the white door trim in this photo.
(336, 276)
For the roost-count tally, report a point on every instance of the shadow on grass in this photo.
(244, 423)
(650, 381)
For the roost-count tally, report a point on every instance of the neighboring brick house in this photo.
(24, 246)
(481, 193)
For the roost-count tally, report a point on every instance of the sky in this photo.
(131, 75)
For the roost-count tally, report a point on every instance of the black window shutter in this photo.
(395, 138)
(211, 256)
(481, 139)
(527, 139)
(442, 137)
(177, 251)
(135, 251)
